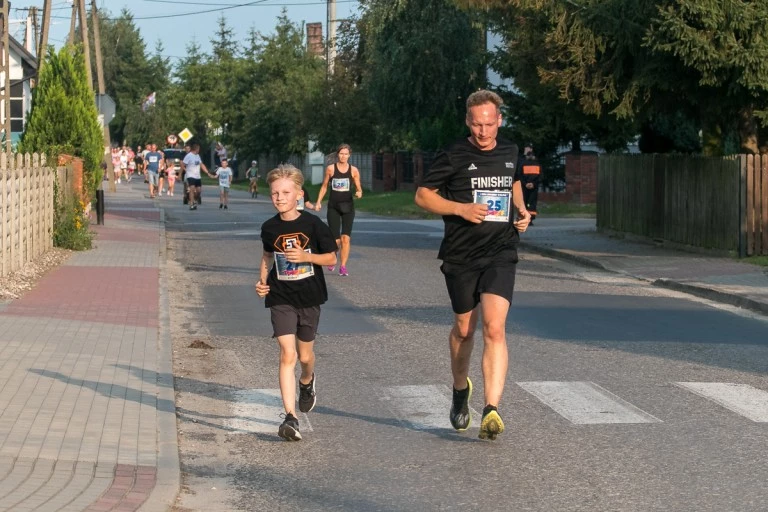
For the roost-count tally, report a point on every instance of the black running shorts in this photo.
(340, 220)
(194, 182)
(302, 322)
(465, 283)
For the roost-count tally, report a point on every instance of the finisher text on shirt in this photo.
(492, 182)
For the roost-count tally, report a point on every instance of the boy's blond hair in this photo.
(286, 171)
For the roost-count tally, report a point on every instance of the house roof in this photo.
(26, 57)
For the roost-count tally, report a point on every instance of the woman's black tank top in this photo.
(341, 186)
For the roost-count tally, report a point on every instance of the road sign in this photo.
(185, 134)
(106, 106)
(172, 139)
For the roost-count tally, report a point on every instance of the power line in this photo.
(282, 4)
(257, 3)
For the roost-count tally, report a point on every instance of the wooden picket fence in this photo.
(26, 209)
(716, 203)
(754, 200)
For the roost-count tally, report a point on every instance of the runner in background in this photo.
(341, 206)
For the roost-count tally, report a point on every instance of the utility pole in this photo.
(331, 35)
(86, 43)
(7, 73)
(97, 46)
(35, 30)
(73, 23)
(102, 90)
(42, 50)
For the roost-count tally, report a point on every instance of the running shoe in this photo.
(460, 415)
(343, 271)
(226, 207)
(331, 269)
(491, 425)
(193, 207)
(289, 429)
(307, 396)
(221, 206)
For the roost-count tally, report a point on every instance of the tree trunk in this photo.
(576, 145)
(748, 130)
(711, 138)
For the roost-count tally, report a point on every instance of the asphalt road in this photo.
(620, 396)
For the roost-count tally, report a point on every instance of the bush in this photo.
(70, 224)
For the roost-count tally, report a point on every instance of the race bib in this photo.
(498, 204)
(340, 184)
(287, 271)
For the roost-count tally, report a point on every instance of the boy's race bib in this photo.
(287, 271)
(497, 201)
(340, 184)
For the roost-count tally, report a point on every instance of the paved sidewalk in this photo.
(86, 388)
(716, 278)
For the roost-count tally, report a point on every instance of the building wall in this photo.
(21, 97)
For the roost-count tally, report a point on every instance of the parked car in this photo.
(176, 156)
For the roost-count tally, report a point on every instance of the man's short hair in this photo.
(482, 97)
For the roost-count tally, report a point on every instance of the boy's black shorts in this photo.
(494, 275)
(302, 322)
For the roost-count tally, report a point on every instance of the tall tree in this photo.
(345, 112)
(277, 111)
(640, 60)
(64, 118)
(423, 58)
(128, 76)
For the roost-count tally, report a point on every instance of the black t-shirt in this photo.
(457, 173)
(341, 186)
(300, 285)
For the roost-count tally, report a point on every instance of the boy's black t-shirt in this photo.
(457, 173)
(300, 285)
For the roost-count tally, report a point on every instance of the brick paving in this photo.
(86, 398)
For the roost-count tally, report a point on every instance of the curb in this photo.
(563, 255)
(691, 289)
(714, 295)
(163, 496)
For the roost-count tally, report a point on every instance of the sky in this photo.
(179, 22)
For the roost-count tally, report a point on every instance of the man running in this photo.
(190, 168)
(478, 183)
(154, 160)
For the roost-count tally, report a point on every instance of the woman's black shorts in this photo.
(341, 216)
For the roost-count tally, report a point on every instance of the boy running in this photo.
(224, 173)
(253, 176)
(296, 247)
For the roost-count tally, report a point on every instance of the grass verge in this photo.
(400, 203)
(567, 209)
(757, 260)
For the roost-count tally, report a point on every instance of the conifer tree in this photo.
(64, 117)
